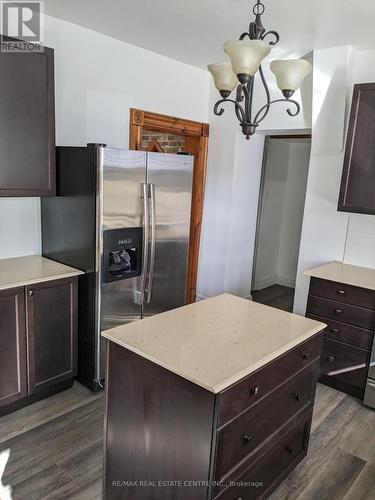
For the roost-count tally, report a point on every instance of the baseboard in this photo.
(284, 281)
(259, 285)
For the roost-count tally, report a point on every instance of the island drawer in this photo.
(253, 388)
(332, 309)
(343, 332)
(244, 436)
(344, 367)
(263, 476)
(343, 293)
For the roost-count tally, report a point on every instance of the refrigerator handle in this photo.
(152, 251)
(146, 222)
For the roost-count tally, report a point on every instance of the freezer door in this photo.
(124, 174)
(170, 183)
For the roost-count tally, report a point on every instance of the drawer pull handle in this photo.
(297, 397)
(254, 391)
(331, 359)
(248, 439)
(305, 355)
(338, 311)
(342, 292)
(290, 450)
(334, 330)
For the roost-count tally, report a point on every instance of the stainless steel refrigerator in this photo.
(123, 217)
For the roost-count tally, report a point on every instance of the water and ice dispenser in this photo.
(122, 253)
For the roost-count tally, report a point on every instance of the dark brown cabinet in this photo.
(349, 313)
(27, 124)
(51, 333)
(199, 445)
(13, 381)
(358, 178)
(38, 329)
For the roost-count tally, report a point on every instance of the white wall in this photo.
(97, 80)
(293, 209)
(282, 212)
(274, 191)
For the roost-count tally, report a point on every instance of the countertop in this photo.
(215, 342)
(21, 271)
(345, 273)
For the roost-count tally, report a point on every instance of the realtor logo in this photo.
(22, 21)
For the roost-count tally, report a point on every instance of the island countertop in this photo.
(216, 342)
(21, 271)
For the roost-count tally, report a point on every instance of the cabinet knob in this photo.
(31, 293)
(248, 438)
(305, 355)
(334, 330)
(297, 397)
(290, 450)
(342, 292)
(338, 311)
(254, 391)
(331, 359)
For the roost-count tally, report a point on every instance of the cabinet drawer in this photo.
(244, 435)
(343, 293)
(250, 390)
(262, 478)
(358, 337)
(357, 316)
(344, 367)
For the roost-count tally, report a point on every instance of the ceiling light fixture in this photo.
(246, 55)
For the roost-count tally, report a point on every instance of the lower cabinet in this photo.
(13, 377)
(38, 330)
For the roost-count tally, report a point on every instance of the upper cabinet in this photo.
(358, 179)
(27, 124)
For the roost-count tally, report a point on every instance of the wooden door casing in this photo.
(196, 141)
(52, 332)
(13, 377)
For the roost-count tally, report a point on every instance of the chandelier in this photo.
(246, 55)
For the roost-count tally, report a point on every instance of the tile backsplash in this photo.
(19, 227)
(360, 242)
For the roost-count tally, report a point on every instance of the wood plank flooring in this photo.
(56, 450)
(281, 297)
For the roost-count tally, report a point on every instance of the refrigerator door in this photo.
(124, 177)
(170, 183)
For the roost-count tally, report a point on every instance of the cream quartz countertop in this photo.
(32, 269)
(345, 273)
(216, 342)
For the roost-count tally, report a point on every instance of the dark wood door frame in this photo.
(196, 142)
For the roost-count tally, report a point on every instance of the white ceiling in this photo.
(193, 31)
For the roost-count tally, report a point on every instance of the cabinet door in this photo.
(27, 124)
(52, 332)
(358, 178)
(13, 379)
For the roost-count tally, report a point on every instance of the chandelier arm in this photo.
(274, 34)
(257, 120)
(239, 96)
(247, 91)
(266, 107)
(239, 111)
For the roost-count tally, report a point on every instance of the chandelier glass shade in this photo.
(245, 61)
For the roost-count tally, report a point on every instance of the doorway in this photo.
(280, 215)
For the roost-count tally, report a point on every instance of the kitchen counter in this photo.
(215, 342)
(207, 400)
(21, 271)
(340, 272)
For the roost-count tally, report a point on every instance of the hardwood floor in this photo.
(56, 450)
(281, 297)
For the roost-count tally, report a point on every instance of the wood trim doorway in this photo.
(196, 141)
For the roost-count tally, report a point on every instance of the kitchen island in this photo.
(211, 400)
